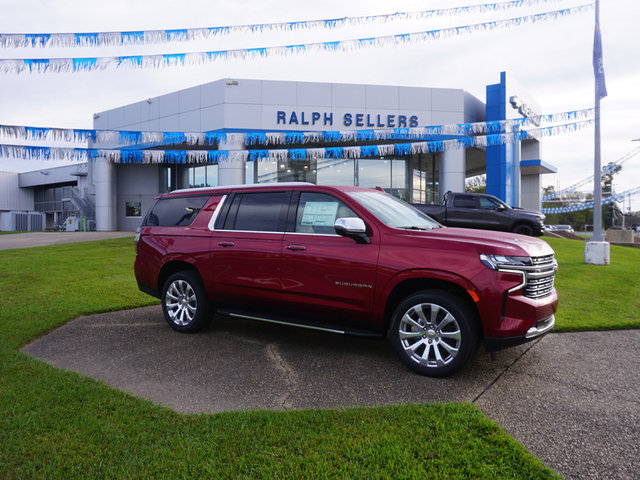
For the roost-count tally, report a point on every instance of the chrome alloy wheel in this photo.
(181, 302)
(430, 335)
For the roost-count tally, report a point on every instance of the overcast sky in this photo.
(552, 60)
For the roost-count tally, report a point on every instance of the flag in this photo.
(598, 67)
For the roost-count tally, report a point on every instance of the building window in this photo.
(133, 209)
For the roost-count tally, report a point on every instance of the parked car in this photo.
(345, 260)
(479, 210)
(559, 228)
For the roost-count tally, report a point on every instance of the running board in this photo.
(288, 323)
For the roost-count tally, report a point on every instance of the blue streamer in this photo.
(331, 46)
(175, 156)
(334, 152)
(132, 38)
(365, 135)
(214, 156)
(369, 151)
(174, 138)
(298, 154)
(261, 52)
(179, 34)
(36, 133)
(214, 138)
(174, 58)
(402, 148)
(332, 136)
(82, 39)
(37, 64)
(37, 39)
(255, 138)
(436, 146)
(258, 155)
(85, 134)
(131, 156)
(130, 137)
(293, 137)
(84, 64)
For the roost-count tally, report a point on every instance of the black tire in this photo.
(523, 229)
(435, 333)
(184, 302)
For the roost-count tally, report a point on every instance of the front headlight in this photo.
(496, 262)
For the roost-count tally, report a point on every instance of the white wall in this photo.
(12, 197)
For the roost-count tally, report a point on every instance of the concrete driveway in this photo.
(43, 239)
(573, 400)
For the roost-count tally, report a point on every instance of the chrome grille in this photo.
(540, 276)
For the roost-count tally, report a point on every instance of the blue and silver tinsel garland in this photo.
(147, 37)
(103, 139)
(129, 155)
(58, 65)
(577, 207)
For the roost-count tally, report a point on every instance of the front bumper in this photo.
(541, 328)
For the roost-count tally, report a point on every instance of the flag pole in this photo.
(597, 168)
(596, 251)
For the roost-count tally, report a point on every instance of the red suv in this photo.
(345, 260)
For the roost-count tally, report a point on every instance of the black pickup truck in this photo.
(478, 210)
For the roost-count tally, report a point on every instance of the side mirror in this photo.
(352, 227)
(500, 208)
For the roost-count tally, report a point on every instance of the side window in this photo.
(464, 201)
(175, 211)
(258, 212)
(317, 213)
(488, 203)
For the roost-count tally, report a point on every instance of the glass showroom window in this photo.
(335, 171)
(203, 176)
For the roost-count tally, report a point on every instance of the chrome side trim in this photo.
(280, 322)
(541, 327)
(216, 212)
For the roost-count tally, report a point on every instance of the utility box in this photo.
(22, 221)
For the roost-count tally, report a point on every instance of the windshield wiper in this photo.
(414, 227)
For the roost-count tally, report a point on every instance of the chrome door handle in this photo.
(226, 244)
(296, 247)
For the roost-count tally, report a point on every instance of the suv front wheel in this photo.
(184, 302)
(434, 333)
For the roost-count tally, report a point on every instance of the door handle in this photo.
(226, 244)
(296, 247)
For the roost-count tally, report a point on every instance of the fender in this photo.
(382, 295)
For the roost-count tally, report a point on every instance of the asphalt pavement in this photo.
(573, 399)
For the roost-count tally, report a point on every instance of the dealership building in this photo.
(240, 108)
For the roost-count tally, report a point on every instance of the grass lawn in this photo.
(596, 297)
(57, 424)
(60, 425)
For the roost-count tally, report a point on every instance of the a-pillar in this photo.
(232, 170)
(452, 166)
(105, 182)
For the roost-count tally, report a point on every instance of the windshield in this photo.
(394, 212)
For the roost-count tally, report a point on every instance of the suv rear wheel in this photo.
(184, 302)
(434, 333)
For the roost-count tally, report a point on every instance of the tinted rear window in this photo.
(463, 201)
(258, 212)
(175, 211)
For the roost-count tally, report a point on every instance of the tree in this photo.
(477, 184)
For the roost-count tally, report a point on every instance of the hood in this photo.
(534, 213)
(491, 242)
